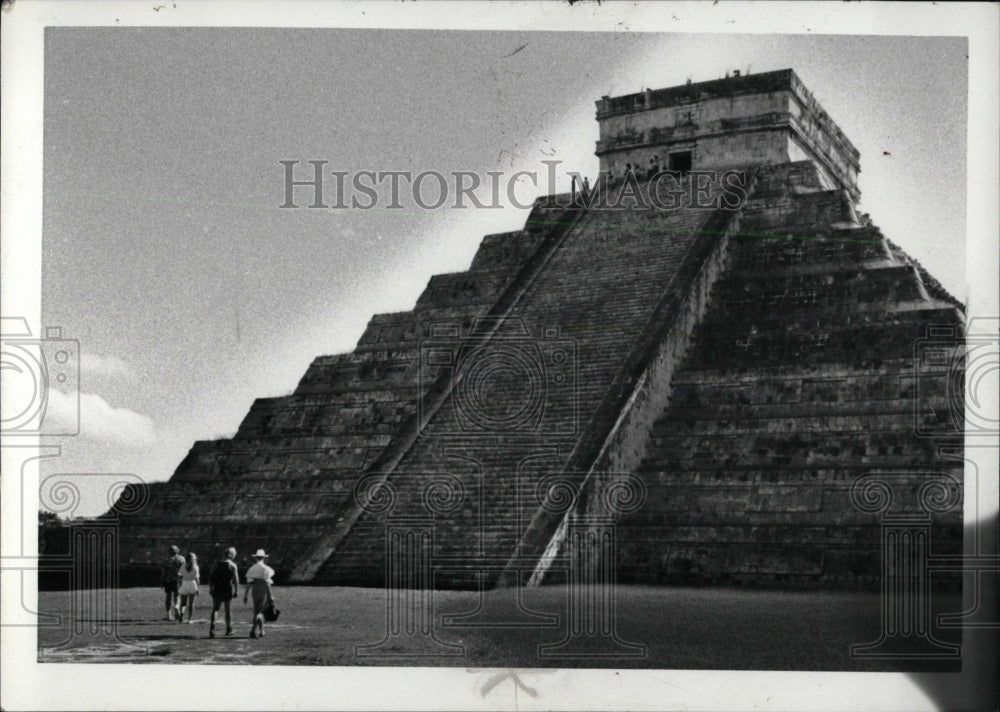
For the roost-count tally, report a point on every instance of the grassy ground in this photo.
(680, 628)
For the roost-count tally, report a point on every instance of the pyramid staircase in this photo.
(283, 479)
(804, 375)
(563, 338)
(747, 366)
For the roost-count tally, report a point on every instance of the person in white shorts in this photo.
(190, 574)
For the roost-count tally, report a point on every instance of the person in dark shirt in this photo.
(172, 581)
(224, 586)
(654, 167)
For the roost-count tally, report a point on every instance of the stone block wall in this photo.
(801, 379)
(766, 119)
(796, 377)
(751, 367)
(287, 475)
(565, 340)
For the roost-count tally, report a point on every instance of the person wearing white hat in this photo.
(259, 580)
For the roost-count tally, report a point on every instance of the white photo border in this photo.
(26, 684)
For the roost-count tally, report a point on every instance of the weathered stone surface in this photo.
(289, 471)
(576, 310)
(741, 367)
(768, 118)
(800, 379)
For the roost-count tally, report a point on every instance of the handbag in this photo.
(271, 613)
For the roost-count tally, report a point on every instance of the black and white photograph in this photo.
(587, 355)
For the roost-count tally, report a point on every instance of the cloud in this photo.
(99, 420)
(96, 365)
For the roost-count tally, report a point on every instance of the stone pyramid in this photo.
(724, 375)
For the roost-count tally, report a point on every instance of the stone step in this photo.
(505, 250)
(693, 374)
(403, 331)
(578, 292)
(382, 369)
(853, 289)
(850, 391)
(801, 212)
(690, 425)
(469, 288)
(755, 252)
(311, 416)
(811, 341)
(783, 449)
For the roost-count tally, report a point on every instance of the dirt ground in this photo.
(681, 628)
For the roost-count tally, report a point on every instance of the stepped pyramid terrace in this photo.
(724, 384)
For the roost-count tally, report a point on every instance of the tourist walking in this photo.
(259, 580)
(190, 574)
(171, 581)
(224, 585)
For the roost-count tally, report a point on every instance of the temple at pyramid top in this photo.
(768, 118)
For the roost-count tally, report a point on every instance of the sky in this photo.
(191, 292)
